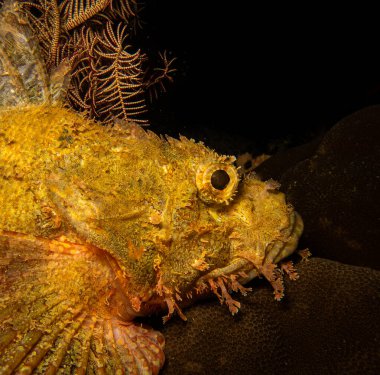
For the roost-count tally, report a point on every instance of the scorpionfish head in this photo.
(178, 218)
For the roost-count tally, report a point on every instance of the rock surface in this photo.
(328, 323)
(337, 191)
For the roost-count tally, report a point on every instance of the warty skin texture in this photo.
(132, 224)
(134, 195)
(99, 225)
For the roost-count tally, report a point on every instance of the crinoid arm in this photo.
(120, 93)
(60, 313)
(77, 12)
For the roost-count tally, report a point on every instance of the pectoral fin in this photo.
(58, 313)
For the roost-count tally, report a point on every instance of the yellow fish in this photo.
(99, 225)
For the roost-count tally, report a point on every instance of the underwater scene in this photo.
(185, 189)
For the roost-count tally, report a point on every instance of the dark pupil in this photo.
(220, 179)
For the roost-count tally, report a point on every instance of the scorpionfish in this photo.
(99, 225)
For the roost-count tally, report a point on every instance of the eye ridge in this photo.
(217, 182)
(220, 179)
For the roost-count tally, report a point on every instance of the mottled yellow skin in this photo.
(136, 222)
(132, 194)
(99, 225)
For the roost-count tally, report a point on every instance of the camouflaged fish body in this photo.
(100, 225)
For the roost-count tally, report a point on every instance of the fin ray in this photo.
(59, 347)
(19, 349)
(55, 316)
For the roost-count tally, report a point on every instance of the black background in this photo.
(272, 74)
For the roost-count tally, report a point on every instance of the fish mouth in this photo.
(244, 267)
(239, 266)
(283, 248)
(247, 267)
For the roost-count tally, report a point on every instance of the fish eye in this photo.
(217, 182)
(220, 179)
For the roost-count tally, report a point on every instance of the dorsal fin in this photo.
(23, 76)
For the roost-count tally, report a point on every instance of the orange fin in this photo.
(56, 314)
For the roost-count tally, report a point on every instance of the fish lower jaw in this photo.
(240, 267)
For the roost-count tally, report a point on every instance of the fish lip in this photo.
(286, 248)
(237, 265)
(241, 264)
